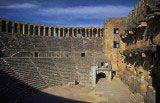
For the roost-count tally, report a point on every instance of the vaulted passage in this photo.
(99, 76)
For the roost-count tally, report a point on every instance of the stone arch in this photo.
(99, 76)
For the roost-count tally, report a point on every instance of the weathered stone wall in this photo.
(72, 50)
(137, 61)
(112, 53)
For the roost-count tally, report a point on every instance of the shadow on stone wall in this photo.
(149, 63)
(13, 90)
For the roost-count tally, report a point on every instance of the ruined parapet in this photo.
(22, 28)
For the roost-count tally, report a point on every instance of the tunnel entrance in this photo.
(100, 76)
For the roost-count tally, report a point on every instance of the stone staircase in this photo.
(115, 91)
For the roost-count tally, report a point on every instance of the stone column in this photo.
(96, 32)
(44, 30)
(49, 31)
(38, 30)
(110, 75)
(34, 30)
(81, 32)
(54, 32)
(28, 29)
(23, 29)
(73, 32)
(85, 32)
(100, 33)
(89, 33)
(58, 32)
(67, 32)
(77, 32)
(63, 32)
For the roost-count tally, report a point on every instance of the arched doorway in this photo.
(99, 76)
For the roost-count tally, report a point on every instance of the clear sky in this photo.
(65, 12)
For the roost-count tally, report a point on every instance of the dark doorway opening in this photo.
(113, 74)
(99, 76)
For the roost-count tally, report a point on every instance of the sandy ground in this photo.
(80, 93)
(67, 94)
(104, 92)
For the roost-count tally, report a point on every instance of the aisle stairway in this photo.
(115, 91)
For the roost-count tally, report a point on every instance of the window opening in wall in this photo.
(3, 26)
(65, 32)
(26, 29)
(70, 32)
(36, 30)
(15, 28)
(36, 54)
(46, 31)
(94, 32)
(90, 32)
(116, 30)
(41, 31)
(82, 54)
(21, 28)
(102, 64)
(61, 32)
(102, 32)
(10, 27)
(31, 30)
(75, 33)
(56, 33)
(116, 44)
(87, 32)
(83, 32)
(52, 29)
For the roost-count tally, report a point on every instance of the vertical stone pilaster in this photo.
(44, 31)
(77, 32)
(89, 33)
(100, 33)
(63, 32)
(85, 32)
(29, 29)
(34, 30)
(73, 32)
(67, 32)
(23, 29)
(54, 33)
(96, 32)
(81, 32)
(38, 30)
(49, 31)
(59, 32)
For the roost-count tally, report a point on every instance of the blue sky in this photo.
(65, 12)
